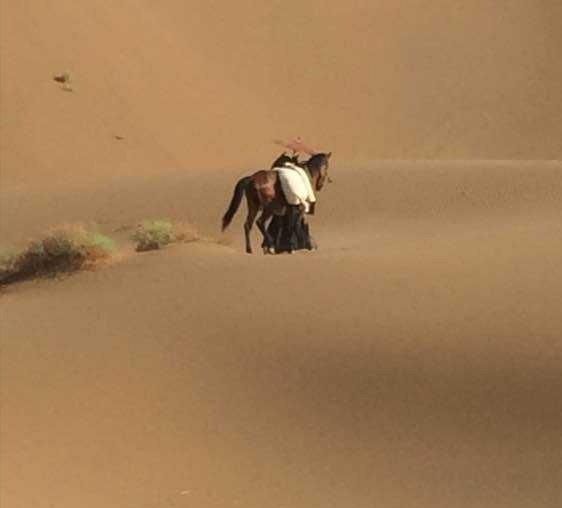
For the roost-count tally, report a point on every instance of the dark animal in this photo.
(263, 192)
(291, 232)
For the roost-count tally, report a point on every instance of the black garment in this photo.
(279, 229)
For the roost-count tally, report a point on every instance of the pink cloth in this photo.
(297, 145)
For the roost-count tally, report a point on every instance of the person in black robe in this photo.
(290, 231)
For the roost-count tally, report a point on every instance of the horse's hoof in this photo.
(271, 250)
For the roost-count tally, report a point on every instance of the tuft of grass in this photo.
(62, 250)
(156, 234)
(7, 262)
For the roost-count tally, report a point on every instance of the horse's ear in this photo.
(328, 155)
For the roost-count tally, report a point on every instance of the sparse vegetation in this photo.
(63, 250)
(155, 234)
(73, 248)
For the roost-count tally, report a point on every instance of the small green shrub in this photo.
(155, 234)
(63, 250)
(151, 235)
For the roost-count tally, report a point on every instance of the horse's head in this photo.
(318, 166)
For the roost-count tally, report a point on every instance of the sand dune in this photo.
(209, 85)
(413, 360)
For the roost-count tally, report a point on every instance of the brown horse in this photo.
(263, 192)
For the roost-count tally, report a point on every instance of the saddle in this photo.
(296, 185)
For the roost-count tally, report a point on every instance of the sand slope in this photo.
(414, 359)
(209, 85)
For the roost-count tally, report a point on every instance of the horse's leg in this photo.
(281, 226)
(273, 228)
(261, 223)
(309, 242)
(293, 216)
(301, 232)
(252, 212)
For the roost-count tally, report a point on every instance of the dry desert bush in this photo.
(155, 234)
(62, 250)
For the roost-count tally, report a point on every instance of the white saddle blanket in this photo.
(296, 185)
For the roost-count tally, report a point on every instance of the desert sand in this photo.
(413, 360)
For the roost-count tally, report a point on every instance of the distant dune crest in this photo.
(174, 85)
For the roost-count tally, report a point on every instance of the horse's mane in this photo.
(283, 158)
(311, 166)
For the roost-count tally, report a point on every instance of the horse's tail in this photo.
(236, 200)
